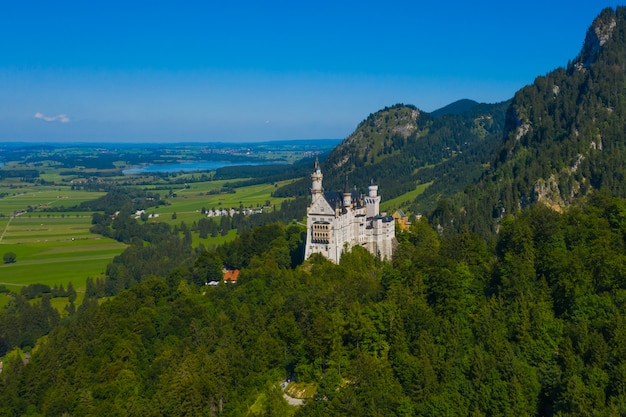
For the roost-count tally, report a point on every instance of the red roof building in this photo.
(231, 275)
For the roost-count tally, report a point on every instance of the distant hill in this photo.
(457, 107)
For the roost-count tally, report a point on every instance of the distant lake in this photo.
(190, 167)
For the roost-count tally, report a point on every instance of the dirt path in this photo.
(5, 228)
(292, 401)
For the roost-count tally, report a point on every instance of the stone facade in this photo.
(337, 222)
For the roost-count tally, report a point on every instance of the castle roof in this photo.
(335, 198)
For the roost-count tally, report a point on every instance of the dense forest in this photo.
(534, 326)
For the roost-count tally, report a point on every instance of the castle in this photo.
(336, 222)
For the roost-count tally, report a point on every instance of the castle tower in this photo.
(316, 180)
(372, 201)
(347, 195)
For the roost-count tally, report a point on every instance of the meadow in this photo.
(51, 247)
(191, 199)
(404, 200)
(54, 251)
(56, 247)
(39, 197)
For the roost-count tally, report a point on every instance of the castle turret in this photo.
(316, 180)
(373, 189)
(347, 195)
(372, 201)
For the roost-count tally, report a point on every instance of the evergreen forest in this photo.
(533, 326)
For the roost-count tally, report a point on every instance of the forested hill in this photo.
(564, 134)
(537, 328)
(401, 147)
(554, 142)
(458, 107)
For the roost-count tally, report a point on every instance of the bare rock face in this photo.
(598, 34)
(547, 193)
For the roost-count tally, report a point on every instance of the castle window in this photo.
(320, 232)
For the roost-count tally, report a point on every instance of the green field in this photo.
(58, 262)
(52, 248)
(42, 197)
(190, 201)
(404, 200)
(56, 247)
(50, 227)
(213, 241)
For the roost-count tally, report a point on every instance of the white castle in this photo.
(337, 222)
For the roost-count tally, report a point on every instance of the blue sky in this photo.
(159, 71)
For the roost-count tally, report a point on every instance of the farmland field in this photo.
(190, 201)
(57, 261)
(43, 197)
(51, 248)
(54, 246)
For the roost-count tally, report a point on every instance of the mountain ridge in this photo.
(399, 145)
(553, 142)
(564, 134)
(456, 107)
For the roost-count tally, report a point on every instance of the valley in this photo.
(42, 224)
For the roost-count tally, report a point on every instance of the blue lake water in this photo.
(189, 167)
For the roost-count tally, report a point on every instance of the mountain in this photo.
(400, 147)
(554, 142)
(457, 107)
(563, 137)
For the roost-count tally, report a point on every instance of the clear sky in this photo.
(166, 71)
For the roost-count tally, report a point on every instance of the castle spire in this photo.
(347, 195)
(373, 189)
(316, 179)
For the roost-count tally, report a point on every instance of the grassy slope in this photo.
(403, 201)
